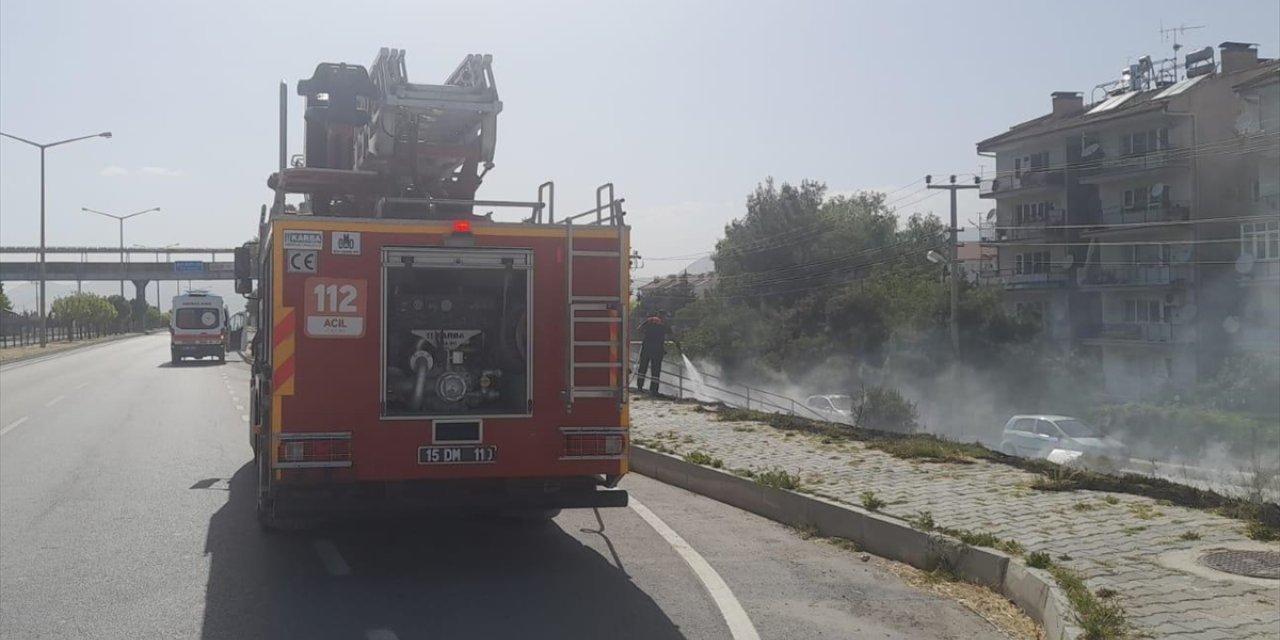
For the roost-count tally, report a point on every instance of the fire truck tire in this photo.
(174, 358)
(268, 521)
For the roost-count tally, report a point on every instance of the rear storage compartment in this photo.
(456, 326)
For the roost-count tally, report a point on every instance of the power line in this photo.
(1137, 225)
(1229, 146)
(1117, 243)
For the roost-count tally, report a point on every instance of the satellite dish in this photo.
(991, 215)
(1157, 189)
(1231, 324)
(1068, 261)
(1244, 264)
(1090, 150)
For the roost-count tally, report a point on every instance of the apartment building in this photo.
(1120, 223)
(1256, 326)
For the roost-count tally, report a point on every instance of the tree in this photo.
(124, 310)
(804, 281)
(5, 304)
(85, 309)
(155, 318)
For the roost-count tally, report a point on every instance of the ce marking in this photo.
(301, 260)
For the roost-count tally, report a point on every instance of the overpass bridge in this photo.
(140, 274)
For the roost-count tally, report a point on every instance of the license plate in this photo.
(457, 455)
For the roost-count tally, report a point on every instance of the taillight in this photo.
(592, 445)
(315, 450)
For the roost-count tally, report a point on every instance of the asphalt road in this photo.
(126, 511)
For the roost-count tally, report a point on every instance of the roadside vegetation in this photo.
(1262, 518)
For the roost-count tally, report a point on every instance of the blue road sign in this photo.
(188, 266)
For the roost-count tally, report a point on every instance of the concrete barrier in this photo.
(1033, 591)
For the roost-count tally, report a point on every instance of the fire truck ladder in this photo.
(608, 211)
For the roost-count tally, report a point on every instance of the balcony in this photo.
(1026, 184)
(1158, 212)
(1018, 281)
(1259, 272)
(1138, 275)
(1140, 333)
(1121, 167)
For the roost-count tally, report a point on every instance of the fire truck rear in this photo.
(420, 348)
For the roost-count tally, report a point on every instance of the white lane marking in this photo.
(55, 401)
(735, 616)
(244, 417)
(333, 562)
(80, 386)
(380, 634)
(13, 425)
(239, 407)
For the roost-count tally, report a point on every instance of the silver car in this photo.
(836, 408)
(1038, 436)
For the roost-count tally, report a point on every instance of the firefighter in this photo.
(654, 332)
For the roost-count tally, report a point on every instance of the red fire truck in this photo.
(418, 347)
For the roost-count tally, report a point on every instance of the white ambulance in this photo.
(198, 327)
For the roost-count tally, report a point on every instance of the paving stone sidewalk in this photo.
(1114, 541)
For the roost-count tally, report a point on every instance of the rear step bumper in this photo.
(367, 497)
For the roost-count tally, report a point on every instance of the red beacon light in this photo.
(462, 226)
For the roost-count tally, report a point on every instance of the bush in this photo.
(870, 502)
(885, 409)
(778, 479)
(1038, 560)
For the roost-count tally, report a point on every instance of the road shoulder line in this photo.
(735, 616)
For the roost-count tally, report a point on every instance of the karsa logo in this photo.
(346, 243)
(303, 240)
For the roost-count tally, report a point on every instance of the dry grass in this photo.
(1001, 614)
(10, 354)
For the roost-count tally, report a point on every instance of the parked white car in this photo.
(836, 408)
(1057, 437)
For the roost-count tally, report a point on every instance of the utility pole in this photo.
(954, 266)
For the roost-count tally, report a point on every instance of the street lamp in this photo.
(121, 220)
(44, 325)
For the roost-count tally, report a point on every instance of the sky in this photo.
(684, 106)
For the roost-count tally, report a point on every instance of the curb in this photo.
(1033, 591)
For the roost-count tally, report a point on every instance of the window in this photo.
(1260, 240)
(1032, 262)
(1046, 428)
(1027, 425)
(1140, 198)
(820, 403)
(1029, 163)
(1077, 429)
(1033, 212)
(1146, 311)
(1142, 142)
(197, 318)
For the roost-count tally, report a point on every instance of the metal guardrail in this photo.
(677, 383)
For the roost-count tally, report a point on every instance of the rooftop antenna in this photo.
(1173, 32)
